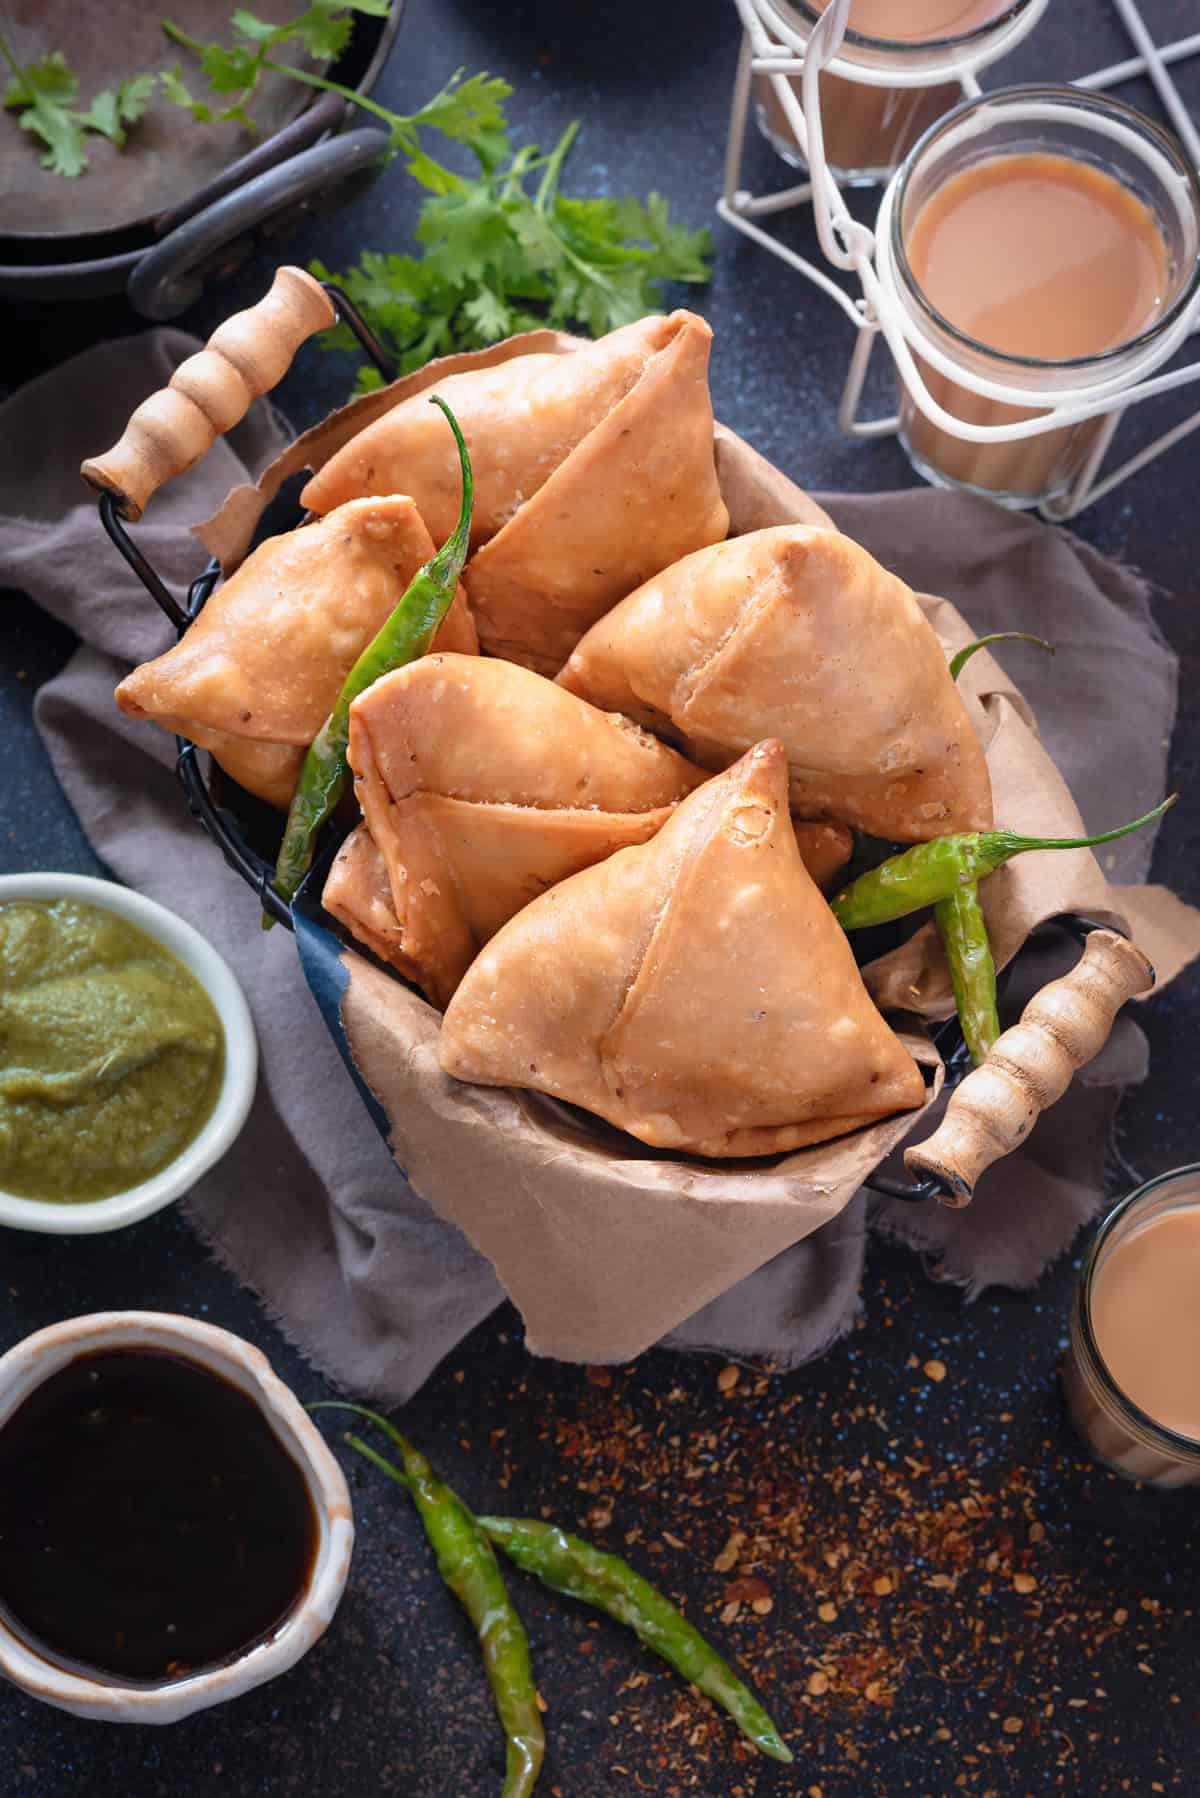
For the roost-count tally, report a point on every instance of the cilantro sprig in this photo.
(503, 248)
(44, 92)
(234, 71)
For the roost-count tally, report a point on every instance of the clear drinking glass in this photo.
(1116, 1430)
(869, 126)
(1092, 129)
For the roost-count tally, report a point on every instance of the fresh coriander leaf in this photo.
(499, 258)
(542, 247)
(63, 138)
(682, 251)
(433, 175)
(133, 97)
(42, 92)
(175, 89)
(472, 113)
(104, 116)
(369, 379)
(112, 110)
(51, 78)
(228, 69)
(489, 315)
(256, 30)
(467, 234)
(323, 33)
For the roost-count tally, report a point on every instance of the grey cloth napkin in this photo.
(308, 1208)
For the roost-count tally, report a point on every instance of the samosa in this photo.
(797, 633)
(358, 891)
(481, 785)
(695, 991)
(255, 677)
(594, 469)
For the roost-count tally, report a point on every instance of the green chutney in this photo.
(111, 1052)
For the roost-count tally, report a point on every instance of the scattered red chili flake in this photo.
(894, 1603)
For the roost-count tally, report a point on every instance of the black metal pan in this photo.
(182, 203)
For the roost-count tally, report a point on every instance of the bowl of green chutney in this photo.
(128, 1059)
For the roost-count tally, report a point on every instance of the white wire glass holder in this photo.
(772, 48)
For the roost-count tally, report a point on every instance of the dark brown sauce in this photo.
(151, 1522)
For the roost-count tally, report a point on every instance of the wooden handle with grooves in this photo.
(1031, 1066)
(211, 391)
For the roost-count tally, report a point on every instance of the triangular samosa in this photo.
(256, 675)
(593, 469)
(824, 849)
(695, 991)
(797, 633)
(482, 784)
(639, 492)
(359, 893)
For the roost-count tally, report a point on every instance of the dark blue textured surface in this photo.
(392, 1701)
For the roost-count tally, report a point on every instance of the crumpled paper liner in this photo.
(606, 1246)
(602, 1245)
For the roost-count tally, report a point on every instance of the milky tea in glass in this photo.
(868, 128)
(1132, 1373)
(1037, 250)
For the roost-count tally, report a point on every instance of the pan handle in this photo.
(211, 391)
(1031, 1065)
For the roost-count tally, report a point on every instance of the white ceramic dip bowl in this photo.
(237, 1084)
(31, 1362)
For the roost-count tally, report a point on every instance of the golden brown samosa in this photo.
(256, 675)
(825, 849)
(798, 633)
(593, 470)
(358, 890)
(695, 991)
(481, 785)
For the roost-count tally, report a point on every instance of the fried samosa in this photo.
(359, 893)
(593, 471)
(825, 850)
(797, 633)
(256, 675)
(482, 785)
(695, 991)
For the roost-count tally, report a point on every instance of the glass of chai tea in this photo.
(868, 122)
(1132, 1373)
(1045, 239)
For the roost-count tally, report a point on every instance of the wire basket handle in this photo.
(211, 391)
(1031, 1065)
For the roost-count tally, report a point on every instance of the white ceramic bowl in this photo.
(32, 1361)
(237, 1087)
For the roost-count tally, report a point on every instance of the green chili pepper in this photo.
(406, 635)
(959, 662)
(959, 918)
(467, 1563)
(931, 871)
(963, 930)
(572, 1566)
(569, 1565)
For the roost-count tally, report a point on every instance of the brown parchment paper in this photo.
(605, 1246)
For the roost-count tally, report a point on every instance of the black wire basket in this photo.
(241, 828)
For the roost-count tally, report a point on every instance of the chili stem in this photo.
(959, 662)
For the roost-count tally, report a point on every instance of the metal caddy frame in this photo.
(772, 48)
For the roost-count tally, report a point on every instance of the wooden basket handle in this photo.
(211, 391)
(1030, 1066)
